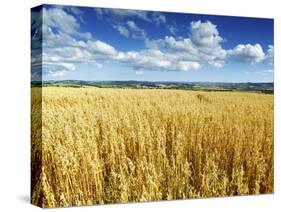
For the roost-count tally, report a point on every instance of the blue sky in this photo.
(86, 43)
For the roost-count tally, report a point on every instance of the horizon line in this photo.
(132, 80)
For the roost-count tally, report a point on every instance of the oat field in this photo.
(107, 145)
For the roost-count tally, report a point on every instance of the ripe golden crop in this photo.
(129, 145)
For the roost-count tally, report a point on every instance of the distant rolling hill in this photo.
(262, 87)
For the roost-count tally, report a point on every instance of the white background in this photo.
(15, 101)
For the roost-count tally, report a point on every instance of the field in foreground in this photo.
(124, 145)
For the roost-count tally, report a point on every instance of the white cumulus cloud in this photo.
(205, 34)
(207, 50)
(153, 59)
(62, 48)
(247, 53)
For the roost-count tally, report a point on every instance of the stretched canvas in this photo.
(134, 106)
